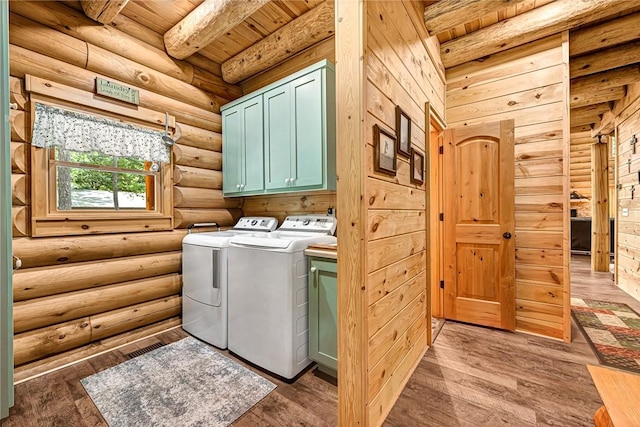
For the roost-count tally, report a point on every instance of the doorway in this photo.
(473, 271)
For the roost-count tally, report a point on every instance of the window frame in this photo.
(47, 220)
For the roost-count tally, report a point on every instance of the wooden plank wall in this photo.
(76, 296)
(401, 68)
(279, 206)
(528, 84)
(628, 227)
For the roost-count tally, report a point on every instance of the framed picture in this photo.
(403, 132)
(417, 167)
(384, 144)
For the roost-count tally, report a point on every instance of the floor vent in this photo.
(145, 350)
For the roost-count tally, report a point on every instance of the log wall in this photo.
(400, 68)
(529, 84)
(628, 208)
(76, 296)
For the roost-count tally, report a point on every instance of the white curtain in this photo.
(55, 127)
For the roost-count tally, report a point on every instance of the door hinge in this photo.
(441, 284)
(441, 149)
(441, 217)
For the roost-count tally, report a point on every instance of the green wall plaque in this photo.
(117, 91)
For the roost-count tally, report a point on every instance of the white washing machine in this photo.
(204, 278)
(268, 294)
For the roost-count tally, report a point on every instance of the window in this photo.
(93, 174)
(98, 181)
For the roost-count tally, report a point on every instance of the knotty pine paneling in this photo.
(528, 84)
(399, 70)
(628, 227)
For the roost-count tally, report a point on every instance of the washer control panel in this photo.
(256, 223)
(310, 223)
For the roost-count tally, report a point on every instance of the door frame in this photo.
(435, 124)
(6, 263)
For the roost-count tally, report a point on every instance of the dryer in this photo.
(268, 293)
(204, 279)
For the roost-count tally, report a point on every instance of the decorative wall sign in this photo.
(403, 132)
(117, 91)
(384, 144)
(417, 167)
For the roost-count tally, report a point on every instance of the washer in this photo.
(204, 279)
(268, 301)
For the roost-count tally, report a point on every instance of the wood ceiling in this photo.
(604, 37)
(604, 44)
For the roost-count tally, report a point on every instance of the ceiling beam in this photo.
(307, 30)
(103, 11)
(589, 114)
(549, 19)
(447, 14)
(207, 22)
(598, 96)
(604, 60)
(605, 35)
(594, 88)
(621, 110)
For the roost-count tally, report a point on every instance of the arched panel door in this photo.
(479, 242)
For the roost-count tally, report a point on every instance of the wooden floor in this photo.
(471, 376)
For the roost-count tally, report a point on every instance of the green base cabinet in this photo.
(296, 134)
(323, 313)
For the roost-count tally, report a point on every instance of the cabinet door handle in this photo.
(292, 181)
(238, 186)
(314, 271)
(242, 186)
(286, 181)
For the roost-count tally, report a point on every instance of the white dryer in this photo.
(204, 279)
(268, 294)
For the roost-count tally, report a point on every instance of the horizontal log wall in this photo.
(400, 70)
(76, 296)
(628, 215)
(280, 206)
(528, 84)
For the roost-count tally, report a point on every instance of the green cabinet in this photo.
(242, 156)
(297, 135)
(323, 313)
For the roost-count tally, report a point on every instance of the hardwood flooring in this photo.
(471, 376)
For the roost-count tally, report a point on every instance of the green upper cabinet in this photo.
(243, 152)
(297, 135)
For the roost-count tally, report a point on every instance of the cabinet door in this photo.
(232, 124)
(323, 313)
(309, 127)
(277, 137)
(253, 150)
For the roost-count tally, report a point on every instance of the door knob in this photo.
(506, 235)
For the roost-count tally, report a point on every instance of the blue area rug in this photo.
(185, 383)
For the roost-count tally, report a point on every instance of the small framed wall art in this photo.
(384, 144)
(403, 132)
(417, 167)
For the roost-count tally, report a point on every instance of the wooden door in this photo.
(479, 242)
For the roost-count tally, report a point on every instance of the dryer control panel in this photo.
(256, 223)
(310, 223)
